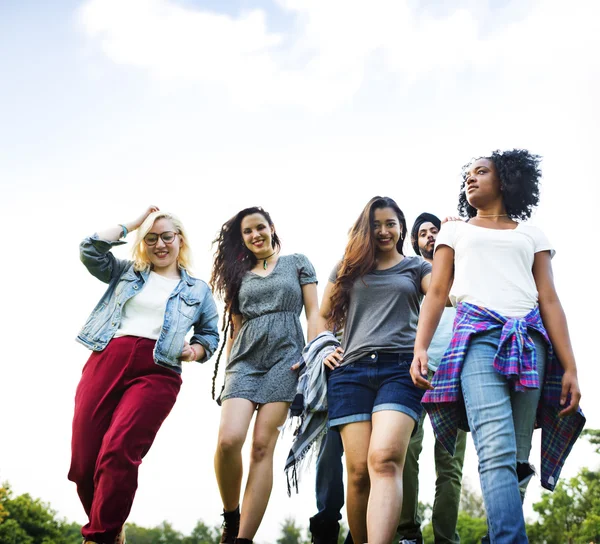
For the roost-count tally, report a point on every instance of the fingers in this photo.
(334, 359)
(187, 353)
(570, 394)
(572, 407)
(418, 373)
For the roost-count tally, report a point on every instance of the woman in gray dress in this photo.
(264, 293)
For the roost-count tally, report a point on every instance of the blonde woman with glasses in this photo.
(131, 380)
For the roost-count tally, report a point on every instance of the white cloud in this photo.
(320, 63)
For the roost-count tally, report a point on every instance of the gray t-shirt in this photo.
(384, 309)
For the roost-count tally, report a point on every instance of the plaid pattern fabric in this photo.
(515, 359)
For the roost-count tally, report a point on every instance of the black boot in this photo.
(242, 541)
(324, 531)
(231, 526)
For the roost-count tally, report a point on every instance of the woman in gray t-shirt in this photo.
(374, 293)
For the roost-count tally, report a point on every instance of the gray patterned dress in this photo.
(270, 339)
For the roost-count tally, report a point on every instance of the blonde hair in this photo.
(140, 257)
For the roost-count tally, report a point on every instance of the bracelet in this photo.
(125, 231)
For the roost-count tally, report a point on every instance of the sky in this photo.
(307, 108)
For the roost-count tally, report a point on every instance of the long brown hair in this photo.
(232, 260)
(359, 256)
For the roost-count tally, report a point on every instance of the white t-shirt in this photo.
(493, 268)
(143, 315)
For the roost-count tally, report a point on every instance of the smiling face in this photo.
(386, 229)
(257, 234)
(163, 256)
(426, 239)
(482, 184)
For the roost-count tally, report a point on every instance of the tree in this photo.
(203, 534)
(290, 532)
(471, 502)
(25, 520)
(593, 436)
(572, 513)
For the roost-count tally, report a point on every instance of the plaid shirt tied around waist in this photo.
(517, 360)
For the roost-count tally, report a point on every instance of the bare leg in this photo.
(260, 475)
(390, 436)
(356, 438)
(236, 415)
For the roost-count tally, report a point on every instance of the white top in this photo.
(143, 315)
(493, 268)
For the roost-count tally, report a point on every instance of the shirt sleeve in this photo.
(306, 271)
(97, 257)
(425, 268)
(541, 241)
(206, 329)
(334, 272)
(447, 235)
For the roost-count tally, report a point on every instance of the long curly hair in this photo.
(360, 256)
(519, 173)
(232, 259)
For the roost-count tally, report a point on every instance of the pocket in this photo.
(405, 363)
(340, 370)
(188, 306)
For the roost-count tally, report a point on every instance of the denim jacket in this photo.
(190, 305)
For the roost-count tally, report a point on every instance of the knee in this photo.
(229, 444)
(358, 477)
(491, 459)
(385, 462)
(261, 450)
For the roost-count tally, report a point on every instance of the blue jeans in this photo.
(325, 525)
(501, 422)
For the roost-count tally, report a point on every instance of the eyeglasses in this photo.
(168, 237)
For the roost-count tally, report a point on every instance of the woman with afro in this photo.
(501, 369)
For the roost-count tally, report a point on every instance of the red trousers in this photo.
(121, 401)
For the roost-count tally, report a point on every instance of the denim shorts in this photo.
(378, 381)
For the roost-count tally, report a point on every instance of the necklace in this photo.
(265, 264)
(493, 215)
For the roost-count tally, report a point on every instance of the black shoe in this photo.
(324, 531)
(231, 526)
(242, 541)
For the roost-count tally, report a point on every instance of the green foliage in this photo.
(344, 530)
(471, 529)
(471, 501)
(571, 513)
(165, 534)
(203, 534)
(25, 520)
(291, 533)
(593, 436)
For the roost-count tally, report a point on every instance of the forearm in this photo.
(322, 324)
(114, 233)
(555, 322)
(312, 327)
